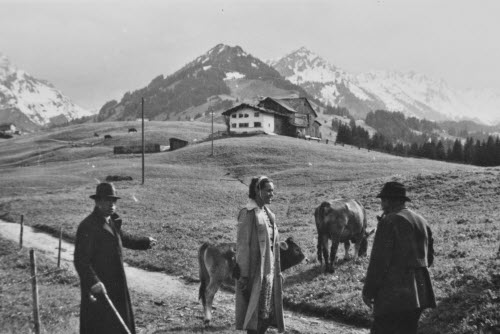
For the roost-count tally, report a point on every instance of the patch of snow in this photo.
(222, 49)
(234, 75)
(207, 67)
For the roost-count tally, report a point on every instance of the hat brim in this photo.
(386, 196)
(108, 196)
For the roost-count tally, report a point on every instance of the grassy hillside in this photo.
(190, 197)
(77, 142)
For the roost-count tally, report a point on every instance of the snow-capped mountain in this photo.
(33, 99)
(216, 80)
(412, 93)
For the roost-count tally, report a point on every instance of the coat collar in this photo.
(105, 222)
(252, 205)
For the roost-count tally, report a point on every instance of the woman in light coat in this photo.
(259, 300)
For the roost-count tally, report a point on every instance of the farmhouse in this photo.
(293, 117)
(8, 128)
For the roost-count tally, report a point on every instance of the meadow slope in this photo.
(190, 197)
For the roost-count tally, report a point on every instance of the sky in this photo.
(95, 51)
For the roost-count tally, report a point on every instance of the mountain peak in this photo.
(413, 93)
(305, 53)
(37, 99)
(303, 65)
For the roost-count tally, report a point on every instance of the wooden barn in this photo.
(294, 117)
(176, 143)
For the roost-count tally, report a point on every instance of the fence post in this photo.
(59, 251)
(34, 289)
(21, 232)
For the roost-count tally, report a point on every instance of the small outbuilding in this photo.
(176, 143)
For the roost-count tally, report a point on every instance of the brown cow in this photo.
(341, 221)
(218, 265)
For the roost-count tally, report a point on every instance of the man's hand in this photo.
(243, 284)
(368, 301)
(98, 288)
(152, 242)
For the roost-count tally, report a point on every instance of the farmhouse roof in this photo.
(296, 103)
(251, 106)
(6, 126)
(282, 103)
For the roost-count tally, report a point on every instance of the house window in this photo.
(233, 125)
(246, 115)
(233, 115)
(256, 114)
(257, 125)
(240, 115)
(243, 125)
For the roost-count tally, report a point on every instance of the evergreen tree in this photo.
(429, 150)
(440, 151)
(469, 151)
(478, 154)
(490, 151)
(414, 150)
(457, 153)
(497, 151)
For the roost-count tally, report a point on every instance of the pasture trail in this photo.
(161, 286)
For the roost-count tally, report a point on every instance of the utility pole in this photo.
(212, 132)
(143, 145)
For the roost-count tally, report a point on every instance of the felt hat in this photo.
(105, 190)
(393, 190)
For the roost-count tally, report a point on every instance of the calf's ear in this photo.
(283, 245)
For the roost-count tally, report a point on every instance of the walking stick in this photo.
(110, 303)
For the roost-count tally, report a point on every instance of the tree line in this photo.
(470, 151)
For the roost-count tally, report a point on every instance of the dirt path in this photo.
(162, 286)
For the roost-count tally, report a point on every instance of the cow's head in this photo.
(363, 248)
(234, 269)
(290, 254)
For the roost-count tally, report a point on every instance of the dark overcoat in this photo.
(98, 258)
(397, 278)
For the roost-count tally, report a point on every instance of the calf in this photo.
(341, 221)
(218, 265)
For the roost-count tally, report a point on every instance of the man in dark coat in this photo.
(397, 283)
(99, 263)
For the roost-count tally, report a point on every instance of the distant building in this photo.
(8, 128)
(294, 117)
(176, 143)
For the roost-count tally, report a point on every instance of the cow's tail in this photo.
(203, 273)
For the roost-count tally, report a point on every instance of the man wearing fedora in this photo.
(99, 262)
(397, 284)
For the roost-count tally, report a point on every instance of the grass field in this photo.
(190, 197)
